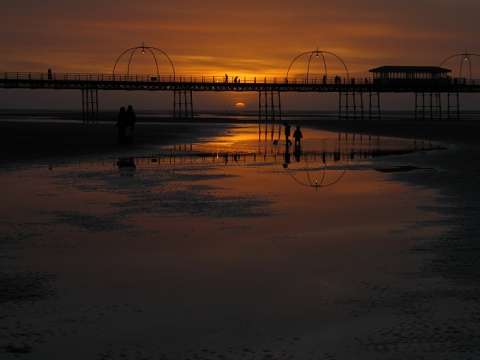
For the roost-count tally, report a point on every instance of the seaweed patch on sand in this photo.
(25, 286)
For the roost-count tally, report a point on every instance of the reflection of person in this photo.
(297, 135)
(49, 74)
(297, 153)
(121, 124)
(287, 133)
(131, 119)
(126, 167)
(287, 157)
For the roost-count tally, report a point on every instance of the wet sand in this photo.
(439, 321)
(446, 313)
(30, 141)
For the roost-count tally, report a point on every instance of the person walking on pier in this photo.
(297, 135)
(287, 133)
(131, 119)
(121, 125)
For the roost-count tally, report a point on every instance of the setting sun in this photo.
(240, 105)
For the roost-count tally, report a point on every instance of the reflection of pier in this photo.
(307, 166)
(342, 155)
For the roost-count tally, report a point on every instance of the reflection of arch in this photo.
(317, 54)
(463, 57)
(316, 183)
(143, 48)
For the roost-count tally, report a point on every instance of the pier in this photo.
(428, 83)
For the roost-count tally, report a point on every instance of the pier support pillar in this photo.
(453, 111)
(269, 113)
(428, 104)
(348, 103)
(182, 104)
(374, 106)
(89, 104)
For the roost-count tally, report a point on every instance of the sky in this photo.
(249, 38)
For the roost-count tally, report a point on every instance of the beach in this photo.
(415, 298)
(38, 141)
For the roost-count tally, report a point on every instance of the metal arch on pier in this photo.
(349, 99)
(182, 98)
(143, 47)
(464, 57)
(317, 53)
(453, 98)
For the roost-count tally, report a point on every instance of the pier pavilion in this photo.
(427, 82)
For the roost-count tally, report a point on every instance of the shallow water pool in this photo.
(229, 247)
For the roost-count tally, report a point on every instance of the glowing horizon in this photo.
(258, 39)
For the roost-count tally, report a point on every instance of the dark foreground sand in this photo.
(454, 257)
(29, 141)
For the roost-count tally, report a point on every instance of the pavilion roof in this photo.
(410, 69)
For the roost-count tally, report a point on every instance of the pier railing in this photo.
(58, 78)
(212, 79)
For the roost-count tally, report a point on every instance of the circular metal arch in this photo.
(317, 54)
(316, 183)
(143, 48)
(463, 57)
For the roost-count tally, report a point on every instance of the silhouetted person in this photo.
(287, 133)
(121, 125)
(236, 79)
(131, 119)
(49, 74)
(297, 135)
(226, 78)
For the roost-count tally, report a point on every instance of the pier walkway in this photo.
(350, 90)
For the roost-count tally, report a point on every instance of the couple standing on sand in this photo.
(297, 135)
(125, 124)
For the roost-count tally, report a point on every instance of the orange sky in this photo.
(245, 38)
